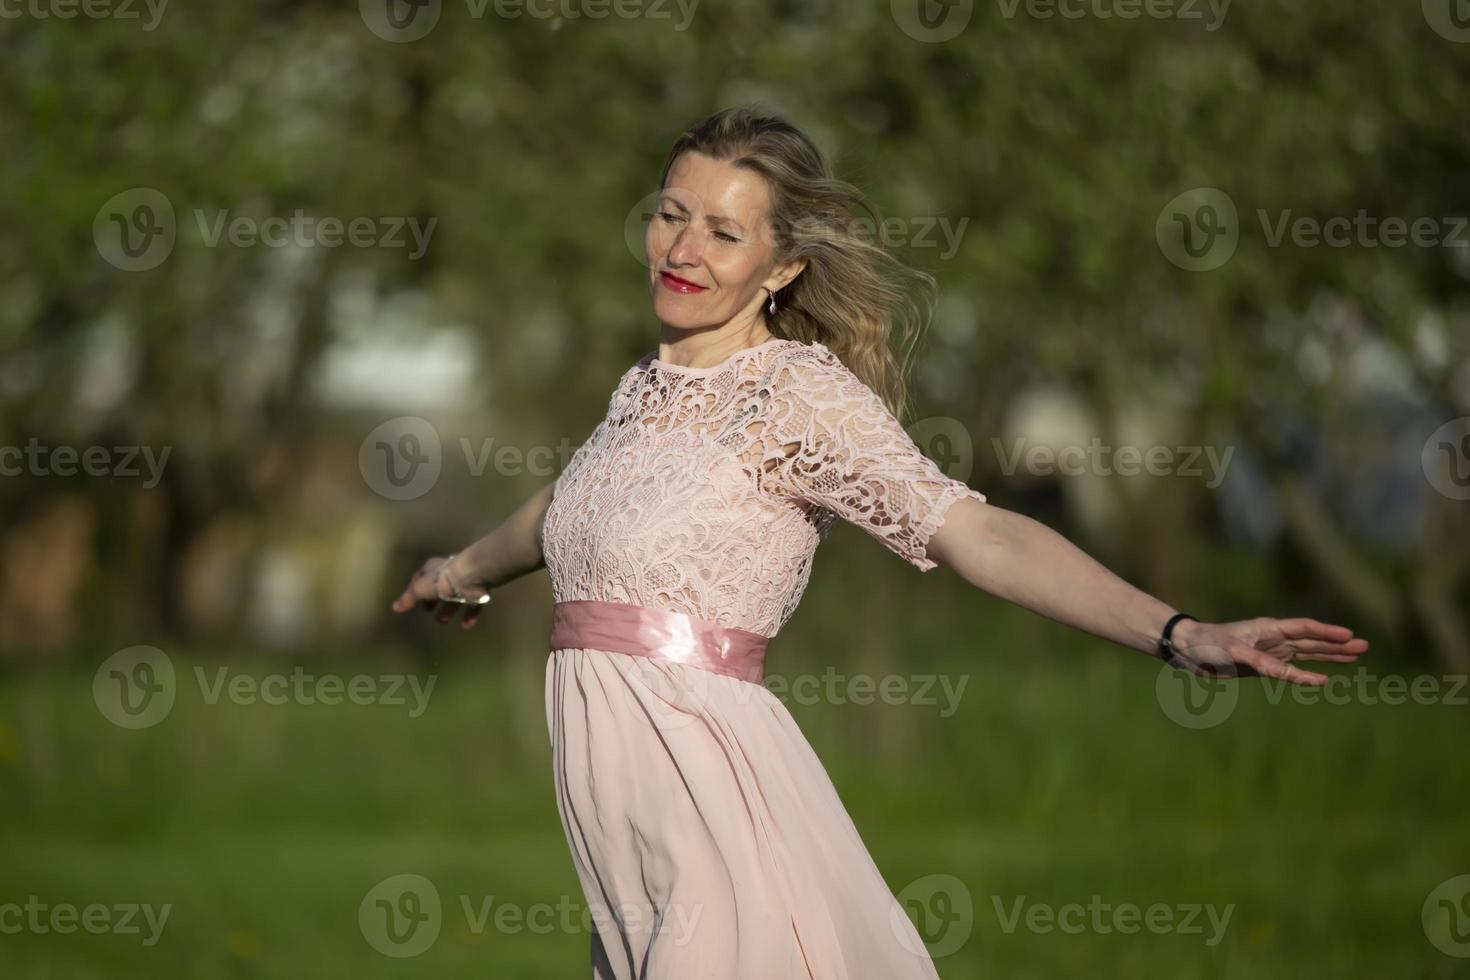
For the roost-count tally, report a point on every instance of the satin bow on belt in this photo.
(620, 627)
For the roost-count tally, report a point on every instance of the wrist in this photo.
(1180, 635)
(461, 570)
(447, 576)
(1186, 631)
(452, 585)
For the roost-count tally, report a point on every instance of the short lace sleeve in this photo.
(832, 442)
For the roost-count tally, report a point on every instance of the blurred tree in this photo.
(1055, 146)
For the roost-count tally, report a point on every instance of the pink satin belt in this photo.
(620, 627)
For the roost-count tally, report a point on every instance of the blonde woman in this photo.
(706, 834)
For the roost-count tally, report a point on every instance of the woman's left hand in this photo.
(1261, 647)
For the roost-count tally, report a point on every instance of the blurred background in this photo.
(298, 294)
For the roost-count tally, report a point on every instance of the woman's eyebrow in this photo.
(720, 219)
(712, 218)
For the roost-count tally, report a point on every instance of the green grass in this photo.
(1322, 828)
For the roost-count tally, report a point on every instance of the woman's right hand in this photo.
(437, 577)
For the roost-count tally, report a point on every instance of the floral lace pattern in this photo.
(707, 490)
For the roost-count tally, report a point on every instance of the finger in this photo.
(450, 610)
(1307, 629)
(471, 617)
(417, 590)
(1269, 666)
(1323, 650)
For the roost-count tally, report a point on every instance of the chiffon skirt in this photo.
(708, 838)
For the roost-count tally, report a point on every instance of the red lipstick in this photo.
(675, 284)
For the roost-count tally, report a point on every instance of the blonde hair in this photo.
(853, 296)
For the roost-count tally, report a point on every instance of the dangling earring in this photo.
(772, 307)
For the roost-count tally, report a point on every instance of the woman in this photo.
(707, 836)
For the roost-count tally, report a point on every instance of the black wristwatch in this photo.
(1166, 644)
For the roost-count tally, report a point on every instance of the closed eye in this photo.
(670, 218)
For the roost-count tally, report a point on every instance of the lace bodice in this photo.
(707, 490)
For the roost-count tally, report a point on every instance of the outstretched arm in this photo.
(511, 550)
(1025, 562)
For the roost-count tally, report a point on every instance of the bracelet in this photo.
(458, 596)
(1166, 644)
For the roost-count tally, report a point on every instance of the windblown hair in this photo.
(853, 296)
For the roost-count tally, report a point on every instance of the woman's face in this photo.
(711, 253)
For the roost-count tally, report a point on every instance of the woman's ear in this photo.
(785, 274)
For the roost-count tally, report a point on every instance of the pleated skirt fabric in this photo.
(707, 836)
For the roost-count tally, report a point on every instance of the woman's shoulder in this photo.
(800, 350)
(802, 356)
(807, 367)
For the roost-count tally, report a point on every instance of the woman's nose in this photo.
(686, 248)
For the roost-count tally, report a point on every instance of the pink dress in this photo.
(706, 834)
